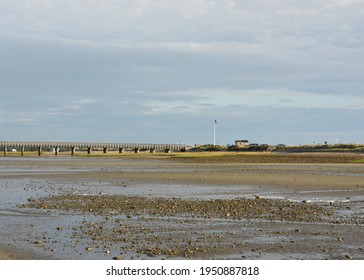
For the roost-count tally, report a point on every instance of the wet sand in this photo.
(7, 256)
(49, 231)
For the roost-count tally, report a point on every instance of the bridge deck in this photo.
(89, 145)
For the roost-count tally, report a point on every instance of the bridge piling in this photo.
(37, 146)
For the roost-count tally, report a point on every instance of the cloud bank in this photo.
(273, 71)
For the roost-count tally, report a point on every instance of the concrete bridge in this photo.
(73, 146)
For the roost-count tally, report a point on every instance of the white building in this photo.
(241, 143)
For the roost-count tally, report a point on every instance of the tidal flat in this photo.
(188, 207)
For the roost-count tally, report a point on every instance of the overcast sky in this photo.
(161, 71)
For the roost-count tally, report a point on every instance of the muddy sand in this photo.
(160, 207)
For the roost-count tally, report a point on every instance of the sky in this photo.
(162, 71)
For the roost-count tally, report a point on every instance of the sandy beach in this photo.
(165, 207)
(6, 256)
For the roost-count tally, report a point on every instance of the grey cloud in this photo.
(131, 69)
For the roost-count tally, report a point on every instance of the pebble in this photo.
(130, 235)
(218, 208)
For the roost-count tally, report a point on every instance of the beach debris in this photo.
(123, 215)
(239, 208)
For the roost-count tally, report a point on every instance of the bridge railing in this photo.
(89, 146)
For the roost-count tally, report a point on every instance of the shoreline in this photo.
(47, 233)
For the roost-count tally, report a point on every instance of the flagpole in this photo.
(214, 133)
(215, 123)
